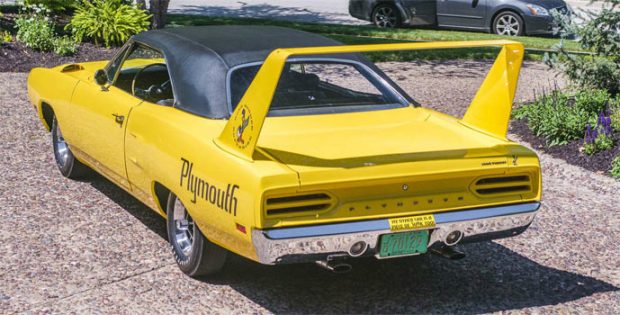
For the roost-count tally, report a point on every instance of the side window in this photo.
(115, 64)
(144, 74)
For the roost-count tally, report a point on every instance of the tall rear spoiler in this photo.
(488, 112)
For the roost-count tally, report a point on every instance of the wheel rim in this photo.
(62, 149)
(508, 25)
(183, 226)
(385, 17)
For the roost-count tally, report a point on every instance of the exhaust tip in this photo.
(342, 268)
(453, 238)
(448, 252)
(358, 249)
(335, 267)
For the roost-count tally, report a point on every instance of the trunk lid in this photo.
(381, 163)
(328, 148)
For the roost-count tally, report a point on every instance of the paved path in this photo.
(88, 247)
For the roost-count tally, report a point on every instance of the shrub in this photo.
(599, 138)
(35, 31)
(600, 35)
(54, 5)
(615, 167)
(65, 46)
(614, 106)
(111, 22)
(560, 117)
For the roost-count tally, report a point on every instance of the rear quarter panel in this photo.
(176, 149)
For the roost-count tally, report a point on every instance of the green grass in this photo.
(354, 34)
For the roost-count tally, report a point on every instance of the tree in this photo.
(158, 9)
(600, 35)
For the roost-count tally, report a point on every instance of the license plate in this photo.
(417, 222)
(404, 243)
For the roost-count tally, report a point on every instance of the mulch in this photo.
(15, 57)
(571, 153)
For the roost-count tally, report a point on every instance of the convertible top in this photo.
(200, 57)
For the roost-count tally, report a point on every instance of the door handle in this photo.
(119, 119)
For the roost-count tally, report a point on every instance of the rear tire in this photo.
(194, 253)
(386, 16)
(508, 23)
(68, 165)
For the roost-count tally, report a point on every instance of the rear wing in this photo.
(488, 112)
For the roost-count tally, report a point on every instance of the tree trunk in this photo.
(158, 8)
(141, 4)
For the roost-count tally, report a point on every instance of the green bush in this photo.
(65, 46)
(599, 138)
(560, 117)
(54, 5)
(615, 167)
(600, 35)
(36, 32)
(614, 106)
(111, 22)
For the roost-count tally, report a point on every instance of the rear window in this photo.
(321, 86)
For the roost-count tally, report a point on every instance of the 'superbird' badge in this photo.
(243, 121)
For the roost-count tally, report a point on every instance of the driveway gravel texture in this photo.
(88, 247)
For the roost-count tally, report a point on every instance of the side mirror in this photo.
(101, 77)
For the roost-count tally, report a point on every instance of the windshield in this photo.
(321, 87)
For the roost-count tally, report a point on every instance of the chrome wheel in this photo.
(385, 16)
(183, 225)
(61, 148)
(508, 25)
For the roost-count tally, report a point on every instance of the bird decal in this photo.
(244, 124)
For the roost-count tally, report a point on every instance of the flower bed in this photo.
(582, 128)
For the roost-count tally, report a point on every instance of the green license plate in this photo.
(405, 243)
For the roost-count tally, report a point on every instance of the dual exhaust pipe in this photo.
(335, 263)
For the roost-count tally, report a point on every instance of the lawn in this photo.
(354, 34)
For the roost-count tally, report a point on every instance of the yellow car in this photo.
(284, 146)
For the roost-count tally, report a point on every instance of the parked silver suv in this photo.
(507, 17)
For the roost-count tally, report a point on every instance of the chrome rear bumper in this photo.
(316, 242)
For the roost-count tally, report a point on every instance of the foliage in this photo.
(615, 167)
(599, 138)
(560, 117)
(5, 37)
(54, 5)
(600, 35)
(35, 29)
(65, 46)
(110, 22)
(614, 106)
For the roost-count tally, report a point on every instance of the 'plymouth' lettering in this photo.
(223, 199)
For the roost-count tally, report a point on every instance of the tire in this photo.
(68, 165)
(386, 16)
(195, 255)
(508, 23)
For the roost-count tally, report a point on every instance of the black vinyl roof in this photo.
(199, 58)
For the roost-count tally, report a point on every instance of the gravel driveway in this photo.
(79, 247)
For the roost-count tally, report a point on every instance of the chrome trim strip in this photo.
(476, 214)
(383, 224)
